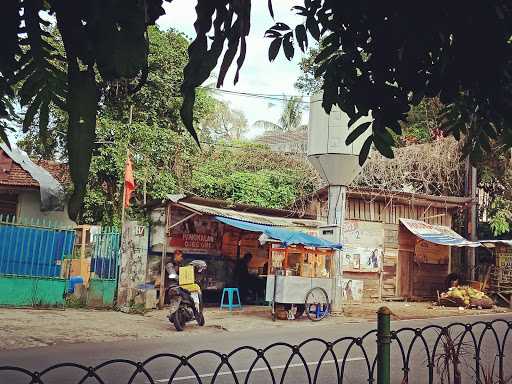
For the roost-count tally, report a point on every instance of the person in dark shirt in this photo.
(242, 276)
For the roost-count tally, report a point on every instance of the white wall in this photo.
(29, 206)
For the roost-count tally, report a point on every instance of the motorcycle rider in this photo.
(172, 268)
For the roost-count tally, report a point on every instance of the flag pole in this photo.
(123, 208)
(124, 177)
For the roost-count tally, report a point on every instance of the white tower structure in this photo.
(338, 164)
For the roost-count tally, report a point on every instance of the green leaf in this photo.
(270, 8)
(384, 148)
(356, 132)
(302, 37)
(31, 112)
(312, 26)
(280, 27)
(273, 50)
(3, 136)
(82, 106)
(288, 46)
(44, 118)
(365, 150)
(383, 140)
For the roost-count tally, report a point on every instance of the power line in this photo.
(267, 96)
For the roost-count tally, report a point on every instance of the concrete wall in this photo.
(31, 291)
(29, 206)
(101, 293)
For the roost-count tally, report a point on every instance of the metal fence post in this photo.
(383, 345)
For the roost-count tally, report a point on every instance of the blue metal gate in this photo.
(33, 247)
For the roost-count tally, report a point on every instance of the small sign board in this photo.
(186, 275)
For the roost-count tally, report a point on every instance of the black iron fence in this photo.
(480, 352)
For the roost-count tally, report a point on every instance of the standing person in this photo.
(242, 276)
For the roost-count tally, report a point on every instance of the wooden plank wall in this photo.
(390, 282)
(398, 273)
(390, 213)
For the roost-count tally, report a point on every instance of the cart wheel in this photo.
(317, 304)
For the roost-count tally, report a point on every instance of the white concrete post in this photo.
(336, 216)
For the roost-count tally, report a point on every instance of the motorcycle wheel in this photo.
(200, 319)
(178, 321)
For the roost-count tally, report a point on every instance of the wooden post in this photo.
(167, 220)
(84, 234)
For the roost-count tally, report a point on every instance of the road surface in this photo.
(205, 365)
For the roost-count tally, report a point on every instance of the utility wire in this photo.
(267, 96)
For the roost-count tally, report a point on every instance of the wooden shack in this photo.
(372, 231)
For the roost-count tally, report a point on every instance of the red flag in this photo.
(129, 182)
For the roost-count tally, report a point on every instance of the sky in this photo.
(258, 75)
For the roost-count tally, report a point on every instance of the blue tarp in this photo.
(285, 236)
(437, 234)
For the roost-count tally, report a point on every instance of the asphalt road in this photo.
(204, 365)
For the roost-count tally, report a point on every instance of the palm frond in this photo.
(267, 125)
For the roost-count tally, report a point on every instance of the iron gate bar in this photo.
(457, 333)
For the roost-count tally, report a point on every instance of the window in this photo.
(8, 203)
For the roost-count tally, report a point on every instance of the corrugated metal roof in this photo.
(251, 217)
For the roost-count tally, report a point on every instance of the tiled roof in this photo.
(19, 178)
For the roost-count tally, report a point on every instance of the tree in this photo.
(158, 148)
(252, 174)
(495, 180)
(376, 58)
(308, 82)
(392, 57)
(290, 119)
(224, 123)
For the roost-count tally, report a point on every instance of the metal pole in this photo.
(474, 218)
(383, 345)
(471, 218)
(167, 221)
(336, 216)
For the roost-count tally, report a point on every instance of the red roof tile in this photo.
(19, 178)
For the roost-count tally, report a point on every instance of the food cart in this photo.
(300, 281)
(300, 274)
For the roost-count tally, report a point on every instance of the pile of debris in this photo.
(465, 296)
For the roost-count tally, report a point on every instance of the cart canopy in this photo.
(285, 236)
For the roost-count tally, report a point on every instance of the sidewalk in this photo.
(25, 328)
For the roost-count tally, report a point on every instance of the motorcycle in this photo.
(186, 301)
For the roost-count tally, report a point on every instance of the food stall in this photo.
(300, 269)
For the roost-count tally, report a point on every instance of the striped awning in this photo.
(437, 234)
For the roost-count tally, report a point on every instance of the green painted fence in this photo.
(101, 293)
(31, 291)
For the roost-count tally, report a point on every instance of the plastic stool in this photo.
(231, 293)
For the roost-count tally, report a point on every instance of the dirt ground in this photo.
(25, 328)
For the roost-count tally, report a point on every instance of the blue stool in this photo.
(231, 293)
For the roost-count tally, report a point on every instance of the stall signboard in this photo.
(504, 260)
(363, 246)
(197, 234)
(193, 241)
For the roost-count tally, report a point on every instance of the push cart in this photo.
(299, 281)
